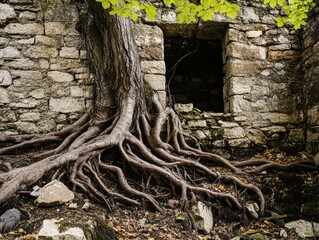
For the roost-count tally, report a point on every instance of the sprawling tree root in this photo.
(100, 152)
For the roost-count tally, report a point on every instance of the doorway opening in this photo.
(195, 72)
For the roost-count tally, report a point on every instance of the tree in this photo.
(123, 135)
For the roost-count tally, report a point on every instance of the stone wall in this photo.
(45, 83)
(310, 66)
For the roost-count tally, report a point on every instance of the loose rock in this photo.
(9, 220)
(203, 216)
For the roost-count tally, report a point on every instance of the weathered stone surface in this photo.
(30, 117)
(304, 229)
(41, 52)
(5, 78)
(4, 96)
(252, 209)
(76, 91)
(238, 104)
(316, 159)
(62, 13)
(44, 40)
(69, 52)
(57, 76)
(257, 136)
(185, 108)
(27, 127)
(26, 74)
(54, 193)
(153, 67)
(235, 132)
(6, 12)
(21, 1)
(9, 219)
(253, 34)
(66, 105)
(149, 40)
(224, 124)
(242, 68)
(197, 123)
(244, 51)
(29, 28)
(54, 28)
(51, 230)
(248, 14)
(10, 53)
(296, 135)
(239, 85)
(239, 143)
(157, 82)
(28, 15)
(282, 55)
(203, 216)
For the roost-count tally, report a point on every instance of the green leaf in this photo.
(273, 3)
(134, 16)
(280, 22)
(113, 2)
(106, 4)
(180, 218)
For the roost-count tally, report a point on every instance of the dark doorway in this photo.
(195, 72)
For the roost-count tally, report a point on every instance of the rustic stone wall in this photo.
(310, 66)
(44, 81)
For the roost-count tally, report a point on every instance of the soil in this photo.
(291, 195)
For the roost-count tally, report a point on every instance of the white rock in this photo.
(253, 209)
(304, 229)
(54, 193)
(6, 12)
(283, 233)
(5, 78)
(179, 107)
(86, 206)
(203, 216)
(57, 76)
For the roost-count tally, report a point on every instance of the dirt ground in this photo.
(287, 194)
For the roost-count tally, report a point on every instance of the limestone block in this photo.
(239, 85)
(57, 76)
(55, 28)
(38, 93)
(24, 2)
(29, 28)
(44, 40)
(149, 40)
(244, 51)
(296, 135)
(66, 105)
(4, 96)
(23, 63)
(10, 53)
(256, 136)
(234, 35)
(304, 229)
(283, 55)
(30, 117)
(4, 41)
(7, 115)
(313, 115)
(239, 143)
(69, 52)
(280, 117)
(253, 34)
(157, 82)
(6, 12)
(154, 67)
(41, 52)
(67, 64)
(27, 103)
(281, 47)
(28, 15)
(31, 75)
(224, 124)
(248, 14)
(235, 132)
(76, 91)
(185, 108)
(273, 130)
(29, 41)
(242, 68)
(5, 78)
(61, 13)
(197, 123)
(27, 127)
(238, 103)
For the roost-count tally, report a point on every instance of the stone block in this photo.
(253, 34)
(26, 103)
(281, 47)
(239, 85)
(69, 52)
(55, 28)
(153, 67)
(239, 143)
(23, 29)
(30, 117)
(8, 53)
(238, 103)
(184, 108)
(242, 68)
(62, 13)
(31, 75)
(6, 12)
(149, 40)
(23, 63)
(233, 133)
(44, 40)
(197, 123)
(41, 52)
(257, 136)
(234, 35)
(4, 96)
(224, 124)
(57, 76)
(38, 93)
(27, 15)
(66, 105)
(296, 135)
(283, 55)
(76, 91)
(5, 78)
(157, 82)
(244, 51)
(280, 117)
(27, 127)
(24, 2)
(4, 41)
(248, 14)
